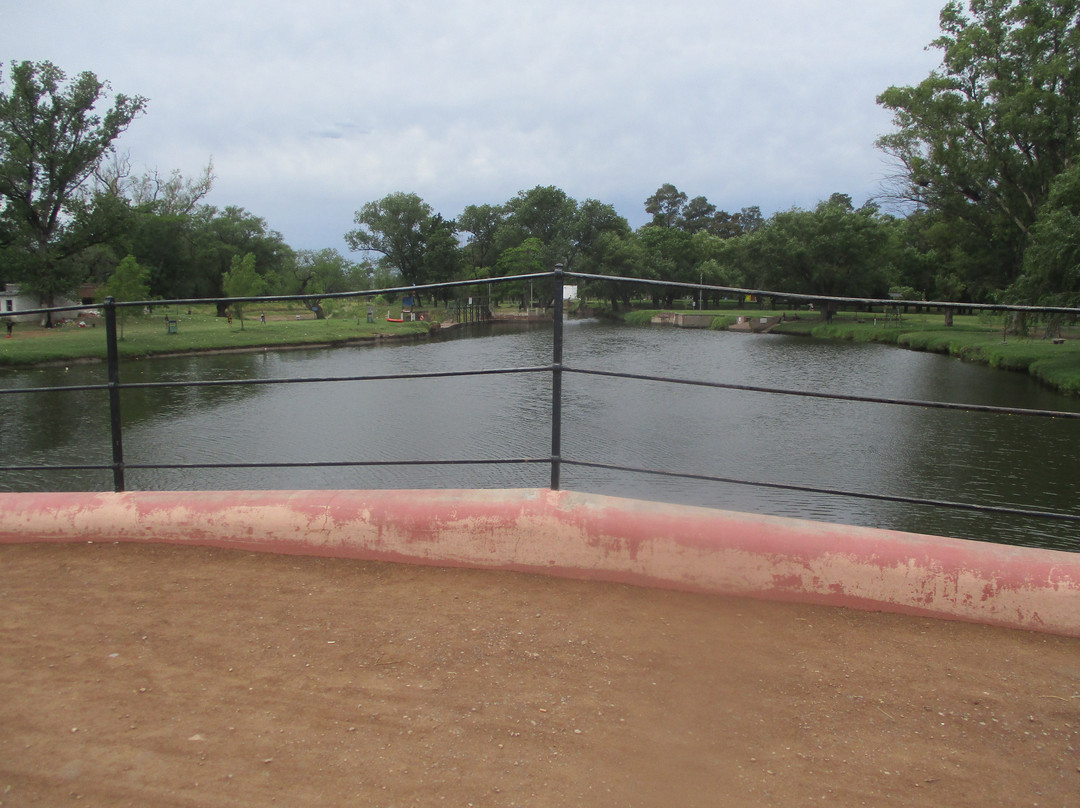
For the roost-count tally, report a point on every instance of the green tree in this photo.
(832, 250)
(129, 282)
(397, 226)
(1052, 261)
(51, 141)
(544, 213)
(321, 272)
(612, 252)
(593, 220)
(443, 258)
(528, 258)
(666, 206)
(482, 223)
(667, 254)
(242, 280)
(219, 237)
(982, 138)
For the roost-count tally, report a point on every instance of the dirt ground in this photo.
(182, 676)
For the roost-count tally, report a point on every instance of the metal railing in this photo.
(555, 459)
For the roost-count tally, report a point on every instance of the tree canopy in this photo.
(51, 142)
(980, 141)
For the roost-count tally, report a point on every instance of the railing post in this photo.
(556, 380)
(114, 395)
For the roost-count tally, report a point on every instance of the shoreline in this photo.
(1055, 366)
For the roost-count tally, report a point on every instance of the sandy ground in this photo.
(172, 676)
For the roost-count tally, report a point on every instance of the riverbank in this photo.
(197, 330)
(971, 339)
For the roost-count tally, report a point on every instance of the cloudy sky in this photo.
(310, 109)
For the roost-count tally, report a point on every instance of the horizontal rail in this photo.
(439, 374)
(300, 464)
(810, 489)
(749, 388)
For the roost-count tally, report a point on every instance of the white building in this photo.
(14, 300)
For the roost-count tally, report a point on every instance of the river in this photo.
(922, 453)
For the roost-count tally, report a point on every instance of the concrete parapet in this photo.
(589, 537)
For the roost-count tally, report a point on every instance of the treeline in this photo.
(986, 152)
(834, 249)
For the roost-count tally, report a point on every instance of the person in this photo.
(10, 325)
(262, 316)
(228, 316)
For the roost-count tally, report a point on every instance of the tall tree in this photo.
(594, 219)
(482, 223)
(1052, 261)
(666, 206)
(51, 140)
(397, 226)
(981, 139)
(544, 213)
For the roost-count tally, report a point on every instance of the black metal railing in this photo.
(556, 370)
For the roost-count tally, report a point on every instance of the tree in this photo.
(326, 271)
(1052, 261)
(982, 138)
(174, 195)
(442, 254)
(700, 214)
(242, 280)
(396, 226)
(219, 237)
(668, 254)
(51, 141)
(594, 220)
(482, 223)
(528, 258)
(128, 282)
(666, 206)
(544, 213)
(831, 250)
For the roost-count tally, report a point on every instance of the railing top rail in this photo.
(653, 282)
(861, 301)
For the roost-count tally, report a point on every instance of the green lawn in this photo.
(197, 329)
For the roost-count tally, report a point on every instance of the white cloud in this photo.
(311, 109)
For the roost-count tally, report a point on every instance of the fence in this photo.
(557, 369)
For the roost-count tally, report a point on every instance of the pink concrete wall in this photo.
(591, 537)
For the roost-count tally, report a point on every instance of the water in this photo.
(877, 449)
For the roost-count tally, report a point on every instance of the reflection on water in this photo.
(879, 449)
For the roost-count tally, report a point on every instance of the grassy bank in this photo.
(970, 338)
(197, 329)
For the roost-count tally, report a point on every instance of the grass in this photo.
(975, 338)
(198, 329)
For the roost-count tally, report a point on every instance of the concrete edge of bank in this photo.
(588, 536)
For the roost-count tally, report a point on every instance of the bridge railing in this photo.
(554, 458)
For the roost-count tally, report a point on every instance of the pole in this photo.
(556, 380)
(113, 356)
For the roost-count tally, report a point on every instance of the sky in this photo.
(311, 109)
